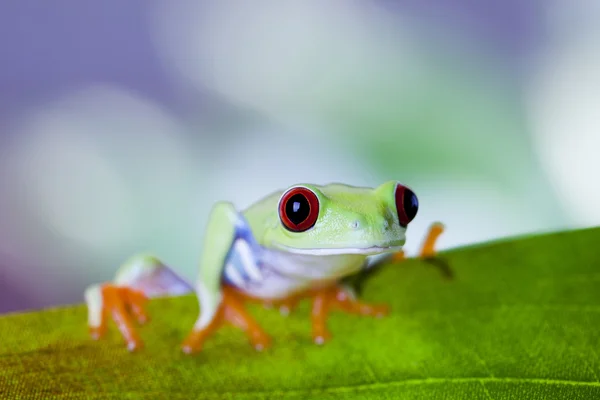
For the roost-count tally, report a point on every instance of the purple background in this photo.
(49, 48)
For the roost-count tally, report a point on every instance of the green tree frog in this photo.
(293, 244)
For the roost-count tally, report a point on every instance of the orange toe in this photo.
(319, 314)
(343, 301)
(97, 332)
(194, 341)
(365, 309)
(121, 302)
(286, 306)
(236, 314)
(321, 336)
(399, 256)
(260, 340)
(136, 300)
(232, 311)
(333, 298)
(428, 249)
(125, 325)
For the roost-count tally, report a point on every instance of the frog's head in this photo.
(341, 219)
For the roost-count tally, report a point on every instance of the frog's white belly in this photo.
(285, 274)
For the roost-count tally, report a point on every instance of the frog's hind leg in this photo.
(140, 278)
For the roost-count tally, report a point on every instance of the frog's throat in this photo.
(367, 251)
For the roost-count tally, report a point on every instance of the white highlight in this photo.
(308, 160)
(89, 163)
(135, 270)
(234, 275)
(348, 291)
(209, 304)
(277, 56)
(564, 104)
(73, 187)
(83, 177)
(93, 299)
(245, 253)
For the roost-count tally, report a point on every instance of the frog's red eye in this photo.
(407, 205)
(298, 209)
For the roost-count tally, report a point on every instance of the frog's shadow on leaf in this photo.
(358, 281)
(443, 265)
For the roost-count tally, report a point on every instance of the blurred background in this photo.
(122, 122)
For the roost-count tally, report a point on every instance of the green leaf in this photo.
(518, 320)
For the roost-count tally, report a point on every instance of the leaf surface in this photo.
(519, 319)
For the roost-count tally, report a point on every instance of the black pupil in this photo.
(297, 209)
(411, 204)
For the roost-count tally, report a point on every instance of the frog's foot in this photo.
(124, 304)
(399, 256)
(338, 298)
(285, 306)
(231, 311)
(141, 278)
(428, 249)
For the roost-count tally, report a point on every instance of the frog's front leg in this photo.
(229, 258)
(338, 298)
(231, 310)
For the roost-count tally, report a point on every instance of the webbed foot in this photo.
(139, 279)
(231, 311)
(124, 304)
(341, 299)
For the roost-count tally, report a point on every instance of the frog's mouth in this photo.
(367, 251)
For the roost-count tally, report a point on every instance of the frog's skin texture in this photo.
(293, 244)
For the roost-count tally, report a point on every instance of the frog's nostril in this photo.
(355, 224)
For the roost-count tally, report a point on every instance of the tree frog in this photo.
(293, 244)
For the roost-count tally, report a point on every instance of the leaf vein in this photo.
(485, 389)
(377, 386)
